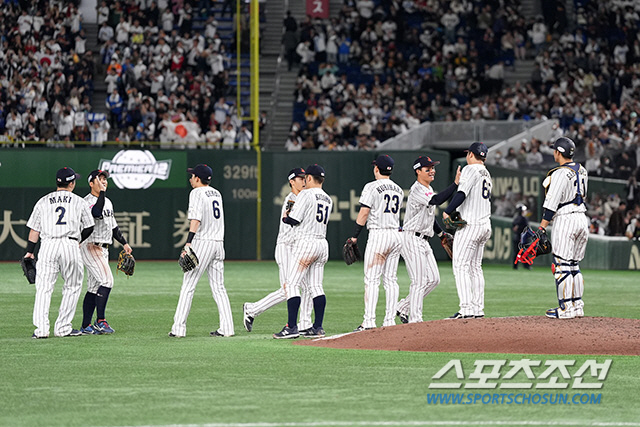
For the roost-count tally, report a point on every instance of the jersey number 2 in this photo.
(395, 206)
(61, 211)
(322, 215)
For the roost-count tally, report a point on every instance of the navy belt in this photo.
(73, 238)
(422, 236)
(102, 245)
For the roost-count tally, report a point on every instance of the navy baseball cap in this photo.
(66, 175)
(296, 172)
(384, 163)
(96, 173)
(424, 162)
(315, 170)
(479, 149)
(201, 171)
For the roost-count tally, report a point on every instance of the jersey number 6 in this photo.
(216, 209)
(486, 189)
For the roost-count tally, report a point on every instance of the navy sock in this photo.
(293, 305)
(88, 306)
(101, 301)
(319, 303)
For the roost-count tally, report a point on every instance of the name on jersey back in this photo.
(59, 199)
(323, 198)
(389, 187)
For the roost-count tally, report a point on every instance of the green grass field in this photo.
(139, 376)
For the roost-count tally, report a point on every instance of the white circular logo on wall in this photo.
(135, 169)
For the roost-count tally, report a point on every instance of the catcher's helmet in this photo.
(565, 146)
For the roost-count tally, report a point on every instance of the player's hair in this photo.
(479, 158)
(317, 179)
(64, 184)
(204, 181)
(386, 173)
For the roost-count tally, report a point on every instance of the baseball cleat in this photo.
(312, 333)
(35, 337)
(578, 311)
(103, 327)
(216, 333)
(361, 328)
(403, 317)
(90, 330)
(460, 316)
(247, 320)
(172, 335)
(287, 333)
(479, 316)
(73, 333)
(559, 313)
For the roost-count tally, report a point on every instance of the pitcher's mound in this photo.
(527, 335)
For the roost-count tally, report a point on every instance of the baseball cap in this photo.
(384, 163)
(315, 170)
(479, 149)
(96, 173)
(201, 171)
(296, 172)
(66, 175)
(424, 162)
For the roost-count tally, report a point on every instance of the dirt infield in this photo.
(527, 335)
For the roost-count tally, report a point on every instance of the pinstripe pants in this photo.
(96, 260)
(306, 272)
(284, 259)
(381, 258)
(210, 253)
(468, 248)
(569, 242)
(423, 272)
(57, 256)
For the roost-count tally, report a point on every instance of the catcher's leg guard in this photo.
(578, 289)
(564, 289)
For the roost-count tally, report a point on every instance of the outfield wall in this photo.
(151, 203)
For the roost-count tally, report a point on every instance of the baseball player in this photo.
(284, 258)
(473, 200)
(566, 188)
(95, 255)
(206, 237)
(419, 225)
(309, 218)
(380, 204)
(518, 225)
(61, 219)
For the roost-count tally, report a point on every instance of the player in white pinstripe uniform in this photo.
(566, 188)
(380, 204)
(206, 237)
(284, 258)
(419, 225)
(309, 218)
(473, 201)
(95, 255)
(60, 219)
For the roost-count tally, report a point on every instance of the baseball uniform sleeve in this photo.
(468, 178)
(555, 192)
(366, 198)
(35, 218)
(303, 201)
(86, 218)
(195, 206)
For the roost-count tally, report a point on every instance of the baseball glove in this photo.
(29, 267)
(454, 221)
(532, 243)
(126, 263)
(350, 252)
(189, 260)
(447, 243)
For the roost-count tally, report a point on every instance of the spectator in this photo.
(618, 220)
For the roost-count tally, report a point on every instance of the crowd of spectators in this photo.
(165, 61)
(380, 68)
